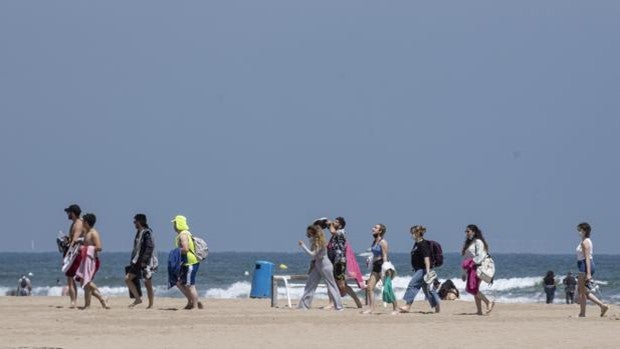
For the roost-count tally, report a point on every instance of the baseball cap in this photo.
(74, 208)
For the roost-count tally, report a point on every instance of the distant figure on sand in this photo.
(585, 265)
(75, 233)
(336, 252)
(549, 285)
(474, 251)
(187, 278)
(320, 267)
(421, 266)
(143, 261)
(24, 286)
(89, 263)
(380, 250)
(570, 284)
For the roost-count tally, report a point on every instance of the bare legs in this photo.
(479, 298)
(344, 289)
(370, 292)
(189, 291)
(148, 283)
(72, 290)
(353, 295)
(584, 295)
(133, 289)
(92, 290)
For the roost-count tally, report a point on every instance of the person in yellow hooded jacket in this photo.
(187, 278)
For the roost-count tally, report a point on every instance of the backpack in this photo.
(201, 250)
(436, 254)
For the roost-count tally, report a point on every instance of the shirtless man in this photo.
(75, 232)
(91, 238)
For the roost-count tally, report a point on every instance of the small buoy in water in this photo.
(283, 266)
(246, 273)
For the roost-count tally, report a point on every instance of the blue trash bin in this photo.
(261, 281)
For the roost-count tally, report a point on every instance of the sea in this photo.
(228, 275)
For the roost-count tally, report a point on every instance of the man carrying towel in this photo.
(189, 268)
(75, 233)
(143, 261)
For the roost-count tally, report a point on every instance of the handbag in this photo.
(486, 270)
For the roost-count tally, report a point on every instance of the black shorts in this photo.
(340, 271)
(376, 266)
(137, 271)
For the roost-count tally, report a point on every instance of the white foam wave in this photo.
(507, 290)
(401, 282)
(236, 290)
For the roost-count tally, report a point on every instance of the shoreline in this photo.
(48, 322)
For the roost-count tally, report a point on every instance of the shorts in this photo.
(188, 274)
(138, 272)
(376, 266)
(340, 271)
(74, 266)
(581, 266)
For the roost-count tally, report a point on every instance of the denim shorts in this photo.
(581, 266)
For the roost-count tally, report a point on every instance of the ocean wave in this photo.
(236, 290)
(507, 290)
(401, 282)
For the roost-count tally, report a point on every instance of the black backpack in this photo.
(436, 254)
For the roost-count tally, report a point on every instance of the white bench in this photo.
(286, 279)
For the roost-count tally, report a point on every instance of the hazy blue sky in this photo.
(254, 117)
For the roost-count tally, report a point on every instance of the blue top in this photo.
(376, 250)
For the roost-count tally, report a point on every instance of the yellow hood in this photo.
(180, 222)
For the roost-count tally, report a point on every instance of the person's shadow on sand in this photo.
(471, 314)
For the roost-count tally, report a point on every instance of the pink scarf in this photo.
(473, 284)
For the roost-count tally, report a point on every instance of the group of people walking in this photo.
(329, 262)
(332, 260)
(81, 248)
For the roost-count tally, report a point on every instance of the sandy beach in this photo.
(47, 322)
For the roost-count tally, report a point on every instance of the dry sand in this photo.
(47, 322)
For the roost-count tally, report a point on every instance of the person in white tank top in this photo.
(585, 264)
(580, 253)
